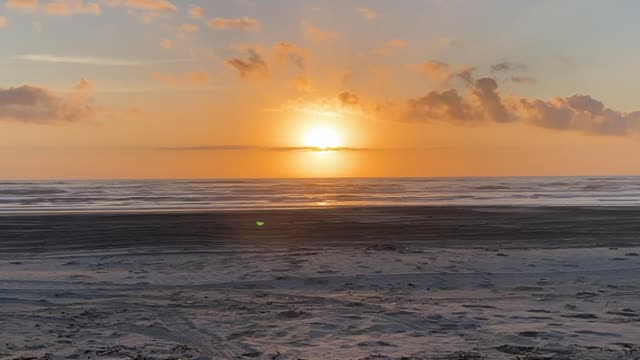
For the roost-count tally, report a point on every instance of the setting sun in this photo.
(322, 138)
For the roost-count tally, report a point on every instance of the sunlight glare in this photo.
(322, 138)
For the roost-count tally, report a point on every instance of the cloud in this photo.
(188, 28)
(146, 5)
(441, 73)
(196, 12)
(38, 105)
(436, 71)
(56, 7)
(348, 99)
(244, 23)
(367, 13)
(507, 66)
(317, 34)
(466, 75)
(291, 53)
(3, 22)
(524, 79)
(391, 45)
(186, 79)
(259, 61)
(253, 65)
(579, 113)
(90, 60)
(482, 103)
(86, 60)
(166, 43)
(22, 4)
(69, 7)
(486, 92)
(447, 105)
(447, 41)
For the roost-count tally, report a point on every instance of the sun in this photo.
(322, 138)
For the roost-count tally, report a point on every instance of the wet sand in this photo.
(361, 283)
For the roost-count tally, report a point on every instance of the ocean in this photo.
(237, 194)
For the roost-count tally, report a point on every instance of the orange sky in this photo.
(168, 89)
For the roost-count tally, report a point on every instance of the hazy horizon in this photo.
(319, 178)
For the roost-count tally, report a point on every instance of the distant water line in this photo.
(237, 194)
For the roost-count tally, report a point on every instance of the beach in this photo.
(420, 282)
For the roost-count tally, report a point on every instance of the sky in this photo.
(113, 89)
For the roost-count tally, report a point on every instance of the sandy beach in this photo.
(359, 283)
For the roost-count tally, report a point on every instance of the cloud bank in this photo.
(38, 105)
(482, 103)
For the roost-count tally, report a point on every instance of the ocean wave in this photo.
(492, 187)
(598, 187)
(278, 193)
(31, 191)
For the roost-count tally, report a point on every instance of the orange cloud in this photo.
(317, 34)
(436, 71)
(186, 79)
(69, 7)
(57, 7)
(440, 73)
(22, 4)
(244, 23)
(147, 5)
(3, 22)
(348, 99)
(196, 12)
